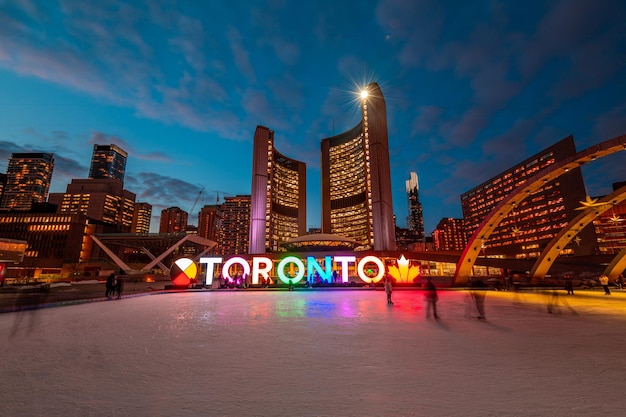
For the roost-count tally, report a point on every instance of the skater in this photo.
(431, 298)
(478, 294)
(119, 287)
(604, 281)
(388, 288)
(110, 282)
(569, 286)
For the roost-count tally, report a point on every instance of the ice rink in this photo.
(317, 353)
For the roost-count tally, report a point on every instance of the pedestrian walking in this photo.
(604, 282)
(431, 298)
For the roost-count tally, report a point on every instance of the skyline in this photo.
(470, 90)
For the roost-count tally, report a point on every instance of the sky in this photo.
(471, 89)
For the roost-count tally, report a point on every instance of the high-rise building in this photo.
(28, 180)
(142, 214)
(104, 200)
(3, 184)
(527, 230)
(450, 235)
(356, 179)
(108, 161)
(173, 220)
(610, 227)
(210, 222)
(235, 225)
(278, 211)
(415, 219)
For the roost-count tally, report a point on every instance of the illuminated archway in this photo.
(552, 250)
(535, 183)
(617, 265)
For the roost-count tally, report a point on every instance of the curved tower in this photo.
(278, 212)
(356, 179)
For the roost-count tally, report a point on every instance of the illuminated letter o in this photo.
(281, 272)
(378, 262)
(233, 261)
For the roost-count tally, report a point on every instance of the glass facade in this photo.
(278, 206)
(108, 161)
(28, 180)
(356, 179)
(525, 232)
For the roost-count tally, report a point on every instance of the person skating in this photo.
(431, 298)
(388, 289)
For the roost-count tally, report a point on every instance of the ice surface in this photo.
(316, 353)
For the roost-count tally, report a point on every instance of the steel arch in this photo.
(505, 206)
(551, 252)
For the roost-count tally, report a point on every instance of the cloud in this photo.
(241, 55)
(163, 190)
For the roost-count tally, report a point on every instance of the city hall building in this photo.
(356, 185)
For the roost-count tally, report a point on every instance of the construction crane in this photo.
(196, 201)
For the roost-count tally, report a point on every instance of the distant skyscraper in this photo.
(210, 222)
(108, 161)
(415, 219)
(356, 179)
(104, 200)
(278, 211)
(450, 235)
(537, 219)
(173, 220)
(3, 184)
(235, 225)
(28, 180)
(142, 215)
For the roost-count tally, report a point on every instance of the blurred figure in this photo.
(554, 301)
(119, 287)
(431, 298)
(388, 288)
(604, 282)
(619, 282)
(30, 299)
(569, 286)
(109, 285)
(478, 295)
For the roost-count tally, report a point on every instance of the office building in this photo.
(28, 180)
(103, 200)
(108, 162)
(278, 211)
(449, 235)
(526, 230)
(142, 215)
(234, 238)
(415, 219)
(356, 179)
(53, 241)
(610, 227)
(210, 222)
(3, 184)
(173, 220)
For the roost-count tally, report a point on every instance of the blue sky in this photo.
(471, 88)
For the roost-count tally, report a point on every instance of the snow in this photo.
(316, 353)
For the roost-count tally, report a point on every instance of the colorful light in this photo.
(183, 271)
